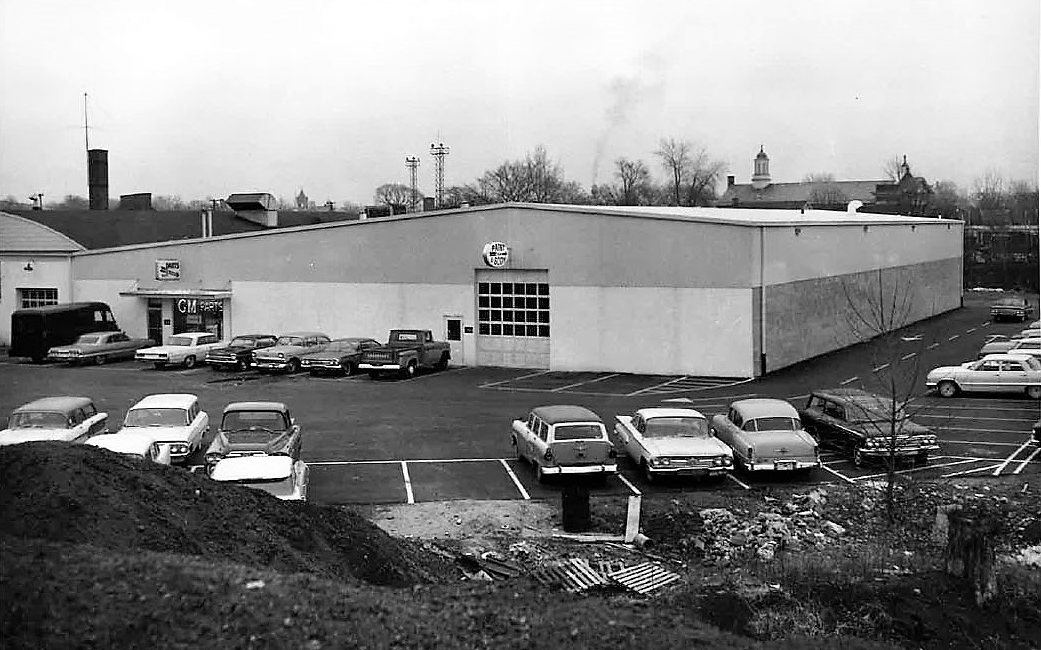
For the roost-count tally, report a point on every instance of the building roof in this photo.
(799, 193)
(21, 235)
(94, 229)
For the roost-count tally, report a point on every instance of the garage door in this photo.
(513, 314)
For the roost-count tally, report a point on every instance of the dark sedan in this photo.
(339, 357)
(238, 355)
(865, 426)
(1013, 307)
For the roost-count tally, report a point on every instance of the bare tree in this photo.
(633, 178)
(536, 179)
(988, 191)
(893, 168)
(675, 158)
(825, 192)
(705, 173)
(395, 195)
(693, 173)
(948, 199)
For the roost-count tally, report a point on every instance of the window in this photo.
(37, 297)
(513, 309)
(990, 366)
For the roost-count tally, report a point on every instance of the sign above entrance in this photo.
(196, 306)
(496, 254)
(168, 269)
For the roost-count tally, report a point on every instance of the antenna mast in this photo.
(412, 163)
(86, 133)
(439, 151)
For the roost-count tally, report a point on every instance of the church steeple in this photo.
(761, 173)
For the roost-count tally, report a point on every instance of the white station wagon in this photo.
(69, 419)
(564, 440)
(172, 419)
(185, 349)
(1005, 373)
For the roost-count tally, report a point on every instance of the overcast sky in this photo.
(205, 98)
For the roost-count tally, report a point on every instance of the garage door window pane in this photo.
(512, 309)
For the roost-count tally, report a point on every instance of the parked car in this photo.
(1031, 346)
(340, 357)
(186, 349)
(996, 373)
(405, 353)
(1012, 307)
(35, 330)
(69, 419)
(766, 435)
(138, 445)
(238, 355)
(1035, 433)
(172, 419)
(255, 428)
(285, 354)
(99, 348)
(564, 440)
(279, 476)
(672, 442)
(861, 424)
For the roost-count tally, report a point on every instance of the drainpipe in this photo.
(762, 300)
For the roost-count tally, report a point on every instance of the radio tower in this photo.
(439, 151)
(413, 166)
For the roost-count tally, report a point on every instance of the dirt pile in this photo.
(86, 495)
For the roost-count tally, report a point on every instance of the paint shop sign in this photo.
(496, 254)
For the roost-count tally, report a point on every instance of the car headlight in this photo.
(281, 355)
(727, 460)
(213, 457)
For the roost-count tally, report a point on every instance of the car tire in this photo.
(293, 367)
(1034, 392)
(947, 389)
(409, 371)
(159, 365)
(858, 457)
(921, 459)
(100, 360)
(241, 365)
(540, 476)
(517, 453)
(442, 363)
(348, 369)
(189, 361)
(645, 470)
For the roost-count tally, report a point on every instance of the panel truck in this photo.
(405, 353)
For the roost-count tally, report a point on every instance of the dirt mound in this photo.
(82, 494)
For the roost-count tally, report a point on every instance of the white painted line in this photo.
(841, 476)
(793, 397)
(987, 324)
(985, 468)
(921, 468)
(952, 338)
(970, 330)
(1023, 463)
(733, 478)
(516, 481)
(907, 356)
(408, 482)
(392, 462)
(947, 405)
(661, 385)
(969, 417)
(582, 383)
(880, 368)
(514, 389)
(911, 339)
(1008, 460)
(976, 442)
(506, 381)
(849, 381)
(632, 488)
(933, 346)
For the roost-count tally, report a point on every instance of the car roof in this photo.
(764, 407)
(124, 442)
(166, 400)
(856, 396)
(561, 413)
(59, 404)
(193, 333)
(255, 406)
(1032, 339)
(245, 468)
(1004, 356)
(304, 333)
(101, 333)
(254, 336)
(664, 412)
(1010, 300)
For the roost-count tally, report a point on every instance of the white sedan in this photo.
(185, 349)
(138, 445)
(1008, 373)
(279, 476)
(672, 441)
(171, 419)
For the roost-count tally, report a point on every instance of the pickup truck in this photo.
(405, 353)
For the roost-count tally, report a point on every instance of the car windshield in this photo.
(777, 424)
(577, 432)
(1011, 302)
(88, 339)
(289, 340)
(279, 487)
(180, 341)
(244, 421)
(245, 343)
(676, 427)
(38, 420)
(156, 417)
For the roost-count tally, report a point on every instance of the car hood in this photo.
(681, 446)
(881, 429)
(161, 434)
(253, 442)
(997, 346)
(284, 349)
(947, 370)
(166, 349)
(232, 349)
(15, 436)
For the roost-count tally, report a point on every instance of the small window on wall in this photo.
(37, 297)
(529, 316)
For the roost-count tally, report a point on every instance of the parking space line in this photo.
(408, 482)
(849, 381)
(628, 483)
(582, 383)
(933, 346)
(970, 330)
(516, 481)
(733, 478)
(1015, 406)
(840, 475)
(661, 385)
(1008, 460)
(908, 356)
(977, 442)
(917, 469)
(987, 324)
(953, 338)
(969, 417)
(985, 468)
(1023, 463)
(880, 368)
(506, 381)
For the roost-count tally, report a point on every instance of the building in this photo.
(911, 195)
(688, 291)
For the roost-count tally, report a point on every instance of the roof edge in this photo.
(78, 246)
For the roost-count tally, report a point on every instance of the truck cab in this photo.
(406, 351)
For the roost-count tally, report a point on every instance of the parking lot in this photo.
(443, 436)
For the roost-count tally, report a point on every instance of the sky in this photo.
(201, 99)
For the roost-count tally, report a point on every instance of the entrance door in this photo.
(155, 320)
(454, 336)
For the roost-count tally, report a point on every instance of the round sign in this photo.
(496, 254)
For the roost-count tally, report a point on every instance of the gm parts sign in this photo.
(496, 254)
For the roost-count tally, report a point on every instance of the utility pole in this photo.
(439, 151)
(412, 162)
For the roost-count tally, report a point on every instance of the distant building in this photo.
(301, 201)
(138, 201)
(910, 195)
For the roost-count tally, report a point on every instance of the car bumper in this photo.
(690, 471)
(381, 366)
(271, 364)
(606, 468)
(64, 356)
(900, 453)
(153, 358)
(231, 363)
(784, 465)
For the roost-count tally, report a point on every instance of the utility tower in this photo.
(439, 151)
(412, 163)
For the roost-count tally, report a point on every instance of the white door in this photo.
(454, 335)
